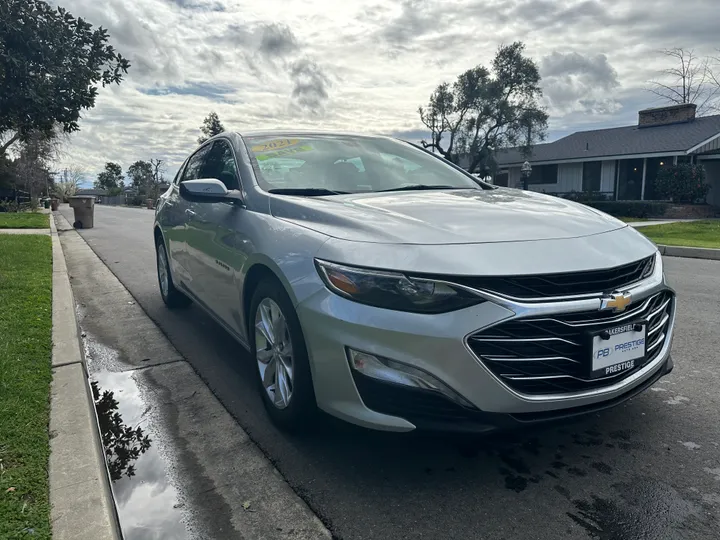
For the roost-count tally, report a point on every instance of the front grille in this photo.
(541, 286)
(551, 354)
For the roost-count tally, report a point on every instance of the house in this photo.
(92, 191)
(622, 162)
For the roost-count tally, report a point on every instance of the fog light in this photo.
(384, 369)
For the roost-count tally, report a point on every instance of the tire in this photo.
(299, 411)
(170, 295)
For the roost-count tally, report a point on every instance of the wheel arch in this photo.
(256, 273)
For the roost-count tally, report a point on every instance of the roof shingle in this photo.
(627, 140)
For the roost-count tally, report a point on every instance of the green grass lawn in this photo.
(25, 374)
(24, 220)
(704, 234)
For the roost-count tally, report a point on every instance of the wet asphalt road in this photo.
(649, 469)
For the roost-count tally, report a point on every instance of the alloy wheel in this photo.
(163, 271)
(274, 352)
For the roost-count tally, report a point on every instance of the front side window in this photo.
(220, 164)
(194, 168)
(348, 164)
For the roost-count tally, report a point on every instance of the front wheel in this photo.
(170, 295)
(283, 369)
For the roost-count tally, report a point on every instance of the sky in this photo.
(362, 66)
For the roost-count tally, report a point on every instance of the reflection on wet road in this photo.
(147, 503)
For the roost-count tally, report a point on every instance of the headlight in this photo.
(395, 291)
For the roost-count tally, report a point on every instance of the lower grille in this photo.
(550, 355)
(424, 408)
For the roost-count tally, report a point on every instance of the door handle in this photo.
(189, 213)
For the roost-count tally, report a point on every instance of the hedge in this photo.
(634, 209)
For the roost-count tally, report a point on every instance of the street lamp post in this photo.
(526, 171)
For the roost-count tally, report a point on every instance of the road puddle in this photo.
(148, 505)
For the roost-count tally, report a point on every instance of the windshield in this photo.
(347, 164)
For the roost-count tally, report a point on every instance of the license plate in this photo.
(618, 349)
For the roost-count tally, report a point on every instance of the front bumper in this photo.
(437, 344)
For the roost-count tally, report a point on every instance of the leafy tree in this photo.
(51, 64)
(30, 168)
(141, 175)
(123, 444)
(486, 109)
(211, 127)
(111, 179)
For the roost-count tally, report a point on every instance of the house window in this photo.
(592, 172)
(501, 179)
(544, 174)
(630, 179)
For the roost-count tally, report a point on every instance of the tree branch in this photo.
(9, 143)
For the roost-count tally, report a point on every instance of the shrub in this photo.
(586, 196)
(683, 183)
(633, 209)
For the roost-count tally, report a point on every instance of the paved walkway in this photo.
(657, 222)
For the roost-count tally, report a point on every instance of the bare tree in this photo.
(158, 175)
(690, 79)
(69, 182)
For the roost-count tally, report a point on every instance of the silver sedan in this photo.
(384, 285)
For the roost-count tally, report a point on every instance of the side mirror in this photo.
(208, 190)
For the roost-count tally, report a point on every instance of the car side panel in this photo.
(286, 250)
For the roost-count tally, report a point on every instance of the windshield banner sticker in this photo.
(283, 152)
(275, 144)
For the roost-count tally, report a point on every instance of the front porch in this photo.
(625, 179)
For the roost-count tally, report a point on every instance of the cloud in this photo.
(210, 91)
(198, 5)
(572, 81)
(277, 40)
(416, 18)
(310, 84)
(361, 66)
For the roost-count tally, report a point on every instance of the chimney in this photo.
(662, 116)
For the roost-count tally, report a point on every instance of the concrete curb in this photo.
(82, 507)
(690, 252)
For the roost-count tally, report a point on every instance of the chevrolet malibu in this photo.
(378, 282)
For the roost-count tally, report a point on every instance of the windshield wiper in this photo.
(307, 192)
(420, 187)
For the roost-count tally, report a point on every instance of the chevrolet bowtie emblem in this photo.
(617, 302)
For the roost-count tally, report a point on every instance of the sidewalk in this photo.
(81, 503)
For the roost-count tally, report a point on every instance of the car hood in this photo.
(443, 217)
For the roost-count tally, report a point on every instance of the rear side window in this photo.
(195, 165)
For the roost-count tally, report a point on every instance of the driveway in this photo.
(649, 469)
